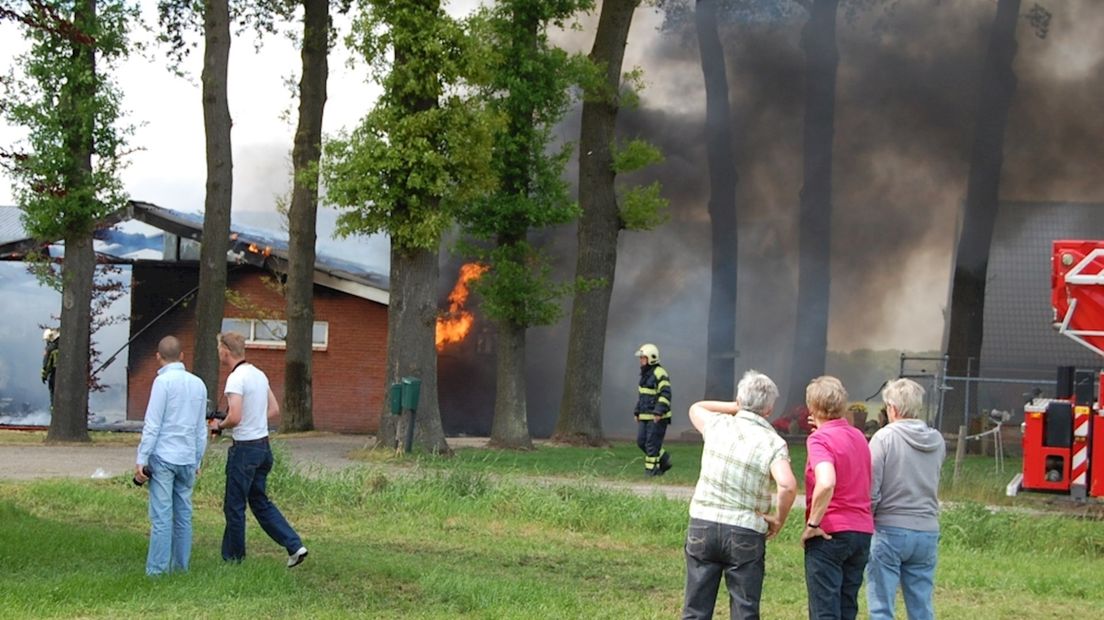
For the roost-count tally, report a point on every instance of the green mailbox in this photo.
(395, 394)
(411, 389)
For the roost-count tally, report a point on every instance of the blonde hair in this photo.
(827, 396)
(906, 396)
(234, 343)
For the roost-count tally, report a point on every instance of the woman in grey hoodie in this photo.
(906, 457)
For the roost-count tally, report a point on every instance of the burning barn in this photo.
(350, 301)
(465, 360)
(350, 329)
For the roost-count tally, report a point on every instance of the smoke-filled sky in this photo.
(904, 117)
(905, 110)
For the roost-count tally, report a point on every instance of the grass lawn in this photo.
(451, 541)
(978, 479)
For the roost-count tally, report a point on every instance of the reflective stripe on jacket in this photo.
(654, 402)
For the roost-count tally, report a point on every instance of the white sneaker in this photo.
(297, 558)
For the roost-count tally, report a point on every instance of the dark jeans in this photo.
(649, 436)
(247, 467)
(713, 549)
(834, 574)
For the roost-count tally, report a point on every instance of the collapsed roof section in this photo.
(183, 232)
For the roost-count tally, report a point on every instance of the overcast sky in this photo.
(904, 119)
(169, 170)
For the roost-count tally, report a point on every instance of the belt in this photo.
(251, 442)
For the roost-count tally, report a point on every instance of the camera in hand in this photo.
(145, 471)
(216, 415)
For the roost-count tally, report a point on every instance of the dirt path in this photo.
(29, 461)
(323, 451)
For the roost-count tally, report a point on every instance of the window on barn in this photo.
(272, 333)
(240, 326)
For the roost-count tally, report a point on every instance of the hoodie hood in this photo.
(918, 434)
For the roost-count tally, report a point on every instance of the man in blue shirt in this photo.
(174, 438)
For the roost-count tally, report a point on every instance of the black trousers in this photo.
(649, 436)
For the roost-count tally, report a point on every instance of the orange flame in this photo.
(454, 325)
(266, 251)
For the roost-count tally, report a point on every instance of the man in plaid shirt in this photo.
(730, 514)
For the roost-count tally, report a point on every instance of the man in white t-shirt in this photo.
(250, 404)
(730, 513)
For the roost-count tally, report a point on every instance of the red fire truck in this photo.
(1063, 437)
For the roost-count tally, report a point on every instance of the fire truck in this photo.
(1063, 437)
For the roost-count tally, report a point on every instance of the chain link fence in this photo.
(995, 397)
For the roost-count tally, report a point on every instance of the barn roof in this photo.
(247, 245)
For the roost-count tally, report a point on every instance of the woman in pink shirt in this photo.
(838, 522)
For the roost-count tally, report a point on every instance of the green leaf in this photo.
(643, 208)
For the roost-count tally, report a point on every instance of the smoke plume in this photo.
(905, 111)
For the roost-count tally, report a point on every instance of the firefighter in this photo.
(49, 360)
(653, 411)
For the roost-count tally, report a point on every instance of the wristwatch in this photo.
(813, 525)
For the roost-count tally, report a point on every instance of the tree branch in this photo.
(44, 17)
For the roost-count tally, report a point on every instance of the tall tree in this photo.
(818, 42)
(177, 18)
(996, 89)
(68, 179)
(604, 215)
(527, 87)
(423, 151)
(211, 299)
(297, 413)
(720, 365)
(708, 17)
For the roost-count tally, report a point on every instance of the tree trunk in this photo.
(995, 92)
(297, 412)
(412, 310)
(510, 428)
(216, 208)
(69, 418)
(720, 367)
(818, 41)
(69, 421)
(580, 418)
(411, 346)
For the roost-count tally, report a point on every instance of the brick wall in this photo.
(348, 386)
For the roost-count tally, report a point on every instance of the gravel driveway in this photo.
(24, 462)
(315, 450)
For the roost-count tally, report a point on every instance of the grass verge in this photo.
(459, 543)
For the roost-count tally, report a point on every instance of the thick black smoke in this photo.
(905, 110)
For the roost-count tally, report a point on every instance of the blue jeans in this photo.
(834, 574)
(247, 467)
(170, 513)
(906, 556)
(713, 549)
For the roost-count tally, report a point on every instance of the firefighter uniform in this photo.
(653, 411)
(49, 361)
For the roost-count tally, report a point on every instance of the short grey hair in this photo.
(906, 396)
(756, 392)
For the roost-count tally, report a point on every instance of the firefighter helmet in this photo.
(649, 351)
